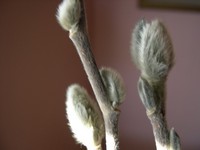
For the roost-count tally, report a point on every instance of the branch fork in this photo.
(107, 85)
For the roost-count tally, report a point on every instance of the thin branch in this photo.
(110, 116)
(71, 16)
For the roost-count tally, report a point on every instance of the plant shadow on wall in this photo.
(152, 53)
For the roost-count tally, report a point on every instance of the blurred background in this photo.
(38, 62)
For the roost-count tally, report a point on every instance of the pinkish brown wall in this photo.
(38, 62)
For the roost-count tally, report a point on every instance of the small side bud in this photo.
(152, 50)
(147, 95)
(68, 14)
(152, 96)
(174, 140)
(85, 119)
(114, 86)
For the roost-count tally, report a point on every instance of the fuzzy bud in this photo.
(69, 14)
(85, 119)
(152, 96)
(174, 140)
(151, 50)
(114, 86)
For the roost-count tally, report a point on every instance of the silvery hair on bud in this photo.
(85, 119)
(174, 140)
(152, 50)
(114, 86)
(69, 13)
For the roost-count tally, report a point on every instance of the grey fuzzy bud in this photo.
(147, 95)
(152, 96)
(85, 119)
(68, 14)
(151, 50)
(114, 86)
(174, 140)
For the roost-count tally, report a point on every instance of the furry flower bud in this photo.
(69, 13)
(174, 140)
(85, 119)
(152, 50)
(114, 86)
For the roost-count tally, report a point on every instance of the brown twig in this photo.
(79, 36)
